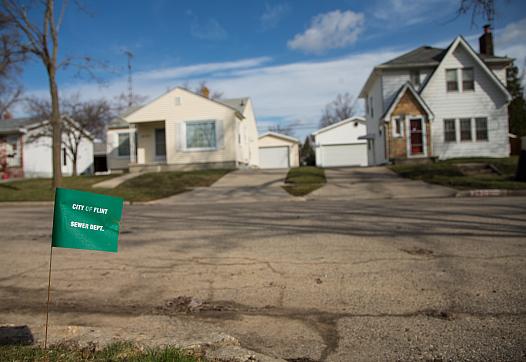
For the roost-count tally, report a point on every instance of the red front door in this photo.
(416, 137)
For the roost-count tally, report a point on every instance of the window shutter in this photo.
(179, 136)
(219, 134)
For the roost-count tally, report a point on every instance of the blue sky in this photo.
(290, 57)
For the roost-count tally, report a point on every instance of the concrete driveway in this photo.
(375, 183)
(238, 186)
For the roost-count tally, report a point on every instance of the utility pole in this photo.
(129, 54)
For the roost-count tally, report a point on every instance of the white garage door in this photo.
(344, 155)
(274, 157)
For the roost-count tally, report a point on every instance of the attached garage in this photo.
(338, 145)
(278, 151)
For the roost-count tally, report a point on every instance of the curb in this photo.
(490, 193)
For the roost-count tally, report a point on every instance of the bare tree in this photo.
(41, 38)
(38, 24)
(81, 120)
(482, 8)
(11, 56)
(286, 130)
(123, 102)
(342, 107)
(203, 89)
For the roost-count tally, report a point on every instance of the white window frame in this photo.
(471, 126)
(476, 139)
(415, 75)
(118, 144)
(402, 127)
(457, 78)
(455, 121)
(462, 80)
(199, 149)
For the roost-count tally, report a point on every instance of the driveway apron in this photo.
(238, 186)
(375, 183)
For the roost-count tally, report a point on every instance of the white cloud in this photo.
(401, 13)
(273, 15)
(200, 69)
(208, 30)
(282, 94)
(511, 41)
(332, 30)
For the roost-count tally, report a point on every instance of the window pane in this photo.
(465, 129)
(450, 134)
(201, 134)
(451, 75)
(415, 77)
(468, 82)
(451, 80)
(124, 144)
(481, 125)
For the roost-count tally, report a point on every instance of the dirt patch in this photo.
(184, 304)
(418, 251)
(439, 314)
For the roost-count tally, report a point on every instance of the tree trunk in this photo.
(56, 127)
(74, 172)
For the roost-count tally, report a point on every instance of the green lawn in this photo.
(121, 351)
(149, 186)
(447, 173)
(301, 181)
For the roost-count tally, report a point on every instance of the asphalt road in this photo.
(320, 280)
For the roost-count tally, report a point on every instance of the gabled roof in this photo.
(407, 87)
(16, 124)
(280, 135)
(338, 124)
(238, 113)
(459, 40)
(21, 125)
(427, 56)
(237, 103)
(119, 121)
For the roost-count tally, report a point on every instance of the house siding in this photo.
(250, 144)
(485, 101)
(192, 108)
(375, 125)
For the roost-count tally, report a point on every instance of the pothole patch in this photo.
(185, 304)
(418, 251)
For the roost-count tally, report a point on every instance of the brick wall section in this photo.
(408, 105)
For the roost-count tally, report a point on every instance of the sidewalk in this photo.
(116, 181)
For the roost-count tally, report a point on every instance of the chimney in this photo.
(486, 41)
(205, 92)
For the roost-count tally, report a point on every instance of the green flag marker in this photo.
(84, 220)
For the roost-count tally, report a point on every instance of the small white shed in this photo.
(338, 145)
(278, 151)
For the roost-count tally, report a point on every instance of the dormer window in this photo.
(414, 77)
(468, 80)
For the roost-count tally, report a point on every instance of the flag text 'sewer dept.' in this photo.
(84, 220)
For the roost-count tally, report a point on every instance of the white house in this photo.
(441, 103)
(339, 145)
(183, 130)
(26, 149)
(277, 150)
